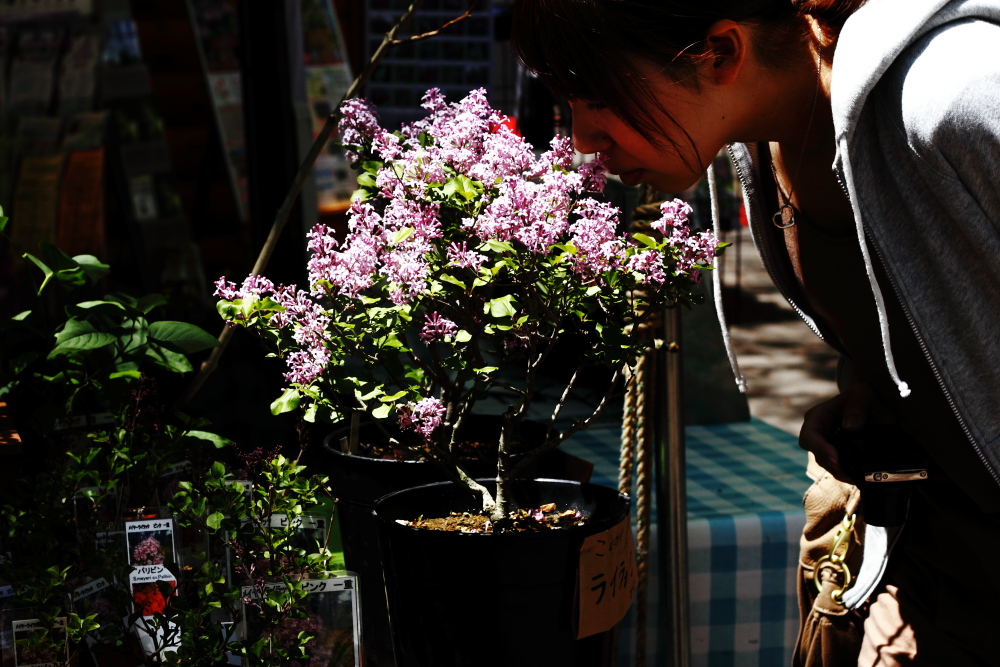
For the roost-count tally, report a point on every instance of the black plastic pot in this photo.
(504, 600)
(359, 481)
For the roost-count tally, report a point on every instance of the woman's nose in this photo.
(589, 135)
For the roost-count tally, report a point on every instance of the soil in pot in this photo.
(485, 599)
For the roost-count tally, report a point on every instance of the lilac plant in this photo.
(467, 256)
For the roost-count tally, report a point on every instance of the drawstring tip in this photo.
(741, 383)
(904, 389)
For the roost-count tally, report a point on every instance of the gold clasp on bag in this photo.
(836, 557)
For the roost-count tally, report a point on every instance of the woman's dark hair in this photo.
(593, 49)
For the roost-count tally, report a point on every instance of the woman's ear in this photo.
(727, 43)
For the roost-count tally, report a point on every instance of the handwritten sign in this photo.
(606, 579)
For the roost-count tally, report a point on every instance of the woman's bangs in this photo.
(548, 39)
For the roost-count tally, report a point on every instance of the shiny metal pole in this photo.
(671, 501)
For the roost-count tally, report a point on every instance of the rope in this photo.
(627, 460)
(643, 495)
(637, 445)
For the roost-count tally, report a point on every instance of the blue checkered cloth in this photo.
(745, 484)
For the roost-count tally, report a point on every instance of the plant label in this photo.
(38, 646)
(606, 580)
(152, 587)
(150, 542)
(333, 618)
(92, 589)
(157, 639)
(313, 531)
(230, 635)
(96, 597)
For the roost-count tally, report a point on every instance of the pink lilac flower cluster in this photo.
(531, 199)
(307, 319)
(424, 416)
(147, 552)
(691, 249)
(437, 328)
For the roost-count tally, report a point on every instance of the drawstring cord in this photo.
(883, 318)
(717, 286)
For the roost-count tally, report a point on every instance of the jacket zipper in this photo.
(923, 346)
(768, 264)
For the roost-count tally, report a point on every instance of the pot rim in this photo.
(393, 525)
(333, 450)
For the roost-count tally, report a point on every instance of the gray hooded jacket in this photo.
(916, 107)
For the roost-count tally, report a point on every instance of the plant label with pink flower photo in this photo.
(606, 579)
(333, 618)
(150, 542)
(36, 645)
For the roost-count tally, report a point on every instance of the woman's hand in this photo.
(851, 409)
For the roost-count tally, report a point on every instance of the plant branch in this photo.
(417, 38)
(562, 401)
(281, 218)
(553, 442)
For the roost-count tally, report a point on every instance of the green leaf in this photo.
(360, 195)
(213, 439)
(19, 320)
(135, 375)
(499, 246)
(214, 520)
(22, 361)
(94, 268)
(172, 361)
(366, 179)
(86, 305)
(467, 187)
(288, 401)
(79, 335)
(566, 247)
(646, 240)
(501, 307)
(394, 397)
(382, 411)
(444, 277)
(3, 222)
(186, 337)
(67, 271)
(401, 235)
(85, 309)
(486, 370)
(46, 271)
(463, 336)
(151, 301)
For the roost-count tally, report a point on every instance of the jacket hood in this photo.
(875, 35)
